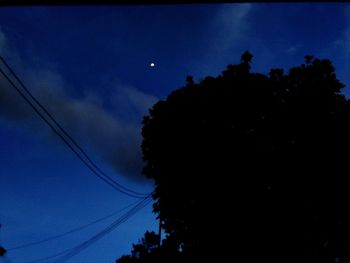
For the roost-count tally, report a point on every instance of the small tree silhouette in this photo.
(2, 251)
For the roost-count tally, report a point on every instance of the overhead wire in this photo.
(62, 129)
(49, 257)
(74, 230)
(71, 252)
(91, 165)
(87, 161)
(64, 139)
(98, 236)
(5, 259)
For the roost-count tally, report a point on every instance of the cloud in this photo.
(291, 50)
(129, 102)
(226, 31)
(230, 24)
(340, 51)
(111, 135)
(2, 41)
(343, 42)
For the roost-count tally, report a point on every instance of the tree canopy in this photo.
(248, 165)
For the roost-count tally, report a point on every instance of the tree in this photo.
(2, 251)
(148, 251)
(255, 157)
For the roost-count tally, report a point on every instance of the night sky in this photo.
(91, 68)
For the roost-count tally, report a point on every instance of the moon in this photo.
(152, 65)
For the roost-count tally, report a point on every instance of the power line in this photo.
(70, 231)
(74, 248)
(5, 259)
(106, 231)
(59, 135)
(50, 257)
(68, 253)
(98, 236)
(89, 163)
(62, 129)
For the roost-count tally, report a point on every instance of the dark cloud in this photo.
(114, 138)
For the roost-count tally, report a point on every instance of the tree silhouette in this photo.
(251, 166)
(2, 251)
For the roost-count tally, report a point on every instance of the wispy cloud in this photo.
(343, 43)
(115, 139)
(226, 32)
(341, 51)
(291, 50)
(2, 41)
(230, 25)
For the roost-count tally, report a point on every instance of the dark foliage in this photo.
(2, 251)
(250, 166)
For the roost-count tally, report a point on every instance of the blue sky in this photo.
(90, 66)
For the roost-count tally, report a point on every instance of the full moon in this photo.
(152, 65)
